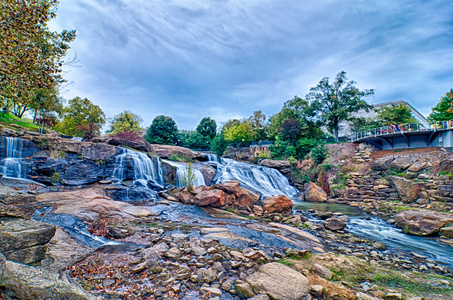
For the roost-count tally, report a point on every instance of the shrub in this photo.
(319, 154)
(189, 177)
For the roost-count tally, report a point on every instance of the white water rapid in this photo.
(145, 170)
(181, 172)
(267, 181)
(11, 166)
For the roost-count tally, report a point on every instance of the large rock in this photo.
(278, 204)
(236, 196)
(18, 281)
(166, 151)
(214, 198)
(91, 205)
(407, 189)
(24, 241)
(208, 173)
(422, 222)
(16, 204)
(334, 224)
(315, 193)
(276, 164)
(279, 282)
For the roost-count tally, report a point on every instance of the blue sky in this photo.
(227, 58)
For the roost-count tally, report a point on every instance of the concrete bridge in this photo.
(414, 135)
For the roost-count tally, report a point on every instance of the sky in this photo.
(225, 59)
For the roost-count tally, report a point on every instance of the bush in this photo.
(163, 130)
(193, 140)
(319, 154)
(219, 144)
(304, 146)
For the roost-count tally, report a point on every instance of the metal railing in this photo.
(403, 128)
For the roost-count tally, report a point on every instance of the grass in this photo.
(180, 158)
(57, 154)
(285, 262)
(9, 118)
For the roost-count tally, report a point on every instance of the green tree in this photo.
(276, 121)
(46, 105)
(219, 144)
(290, 130)
(125, 121)
(396, 114)
(258, 124)
(229, 124)
(336, 101)
(241, 133)
(358, 124)
(31, 56)
(194, 140)
(163, 130)
(207, 128)
(443, 111)
(81, 118)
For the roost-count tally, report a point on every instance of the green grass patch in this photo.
(412, 286)
(9, 118)
(180, 158)
(285, 262)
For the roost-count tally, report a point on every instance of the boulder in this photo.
(447, 232)
(208, 173)
(166, 151)
(91, 205)
(278, 204)
(18, 281)
(407, 189)
(236, 196)
(215, 198)
(422, 222)
(24, 241)
(276, 164)
(16, 204)
(314, 193)
(63, 251)
(334, 224)
(279, 282)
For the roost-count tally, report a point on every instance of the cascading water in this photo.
(213, 158)
(145, 172)
(181, 173)
(267, 181)
(11, 166)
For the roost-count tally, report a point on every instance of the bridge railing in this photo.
(409, 127)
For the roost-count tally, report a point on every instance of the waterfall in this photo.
(267, 181)
(213, 158)
(11, 166)
(145, 171)
(181, 172)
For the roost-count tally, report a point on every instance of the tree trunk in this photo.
(336, 132)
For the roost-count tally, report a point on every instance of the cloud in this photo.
(226, 59)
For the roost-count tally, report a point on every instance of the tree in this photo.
(396, 114)
(219, 144)
(336, 101)
(163, 130)
(276, 121)
(241, 133)
(443, 111)
(258, 124)
(194, 140)
(81, 118)
(358, 124)
(207, 128)
(31, 56)
(229, 124)
(125, 121)
(46, 105)
(290, 130)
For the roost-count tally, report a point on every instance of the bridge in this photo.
(412, 135)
